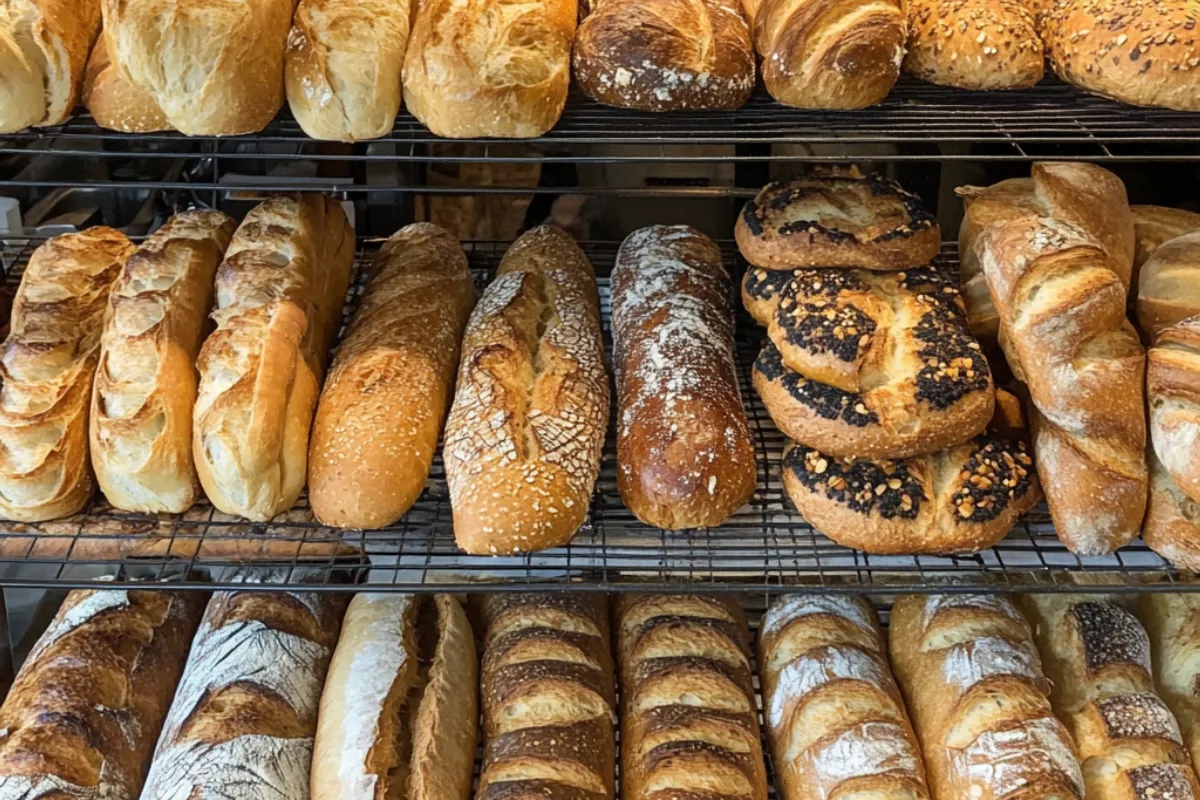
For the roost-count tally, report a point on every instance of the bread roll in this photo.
(525, 433)
(145, 389)
(84, 712)
(835, 719)
(1173, 624)
(44, 46)
(510, 82)
(279, 296)
(47, 368)
(686, 681)
(400, 706)
(1154, 226)
(382, 408)
(342, 67)
(1169, 285)
(113, 101)
(974, 44)
(685, 452)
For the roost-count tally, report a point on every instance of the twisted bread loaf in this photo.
(974, 44)
(1173, 624)
(1168, 289)
(834, 716)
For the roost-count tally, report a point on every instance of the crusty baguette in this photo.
(145, 388)
(1097, 656)
(685, 678)
(1168, 290)
(971, 675)
(48, 364)
(399, 710)
(974, 44)
(548, 698)
(1173, 624)
(279, 295)
(113, 101)
(685, 452)
(524, 436)
(380, 414)
(84, 712)
(835, 720)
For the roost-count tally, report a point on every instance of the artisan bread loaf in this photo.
(113, 101)
(279, 295)
(971, 676)
(974, 44)
(47, 367)
(548, 697)
(83, 714)
(400, 707)
(523, 440)
(342, 67)
(491, 69)
(145, 388)
(1168, 289)
(1154, 226)
(1173, 624)
(1097, 656)
(685, 679)
(835, 720)
(1172, 524)
(244, 716)
(685, 452)
(382, 408)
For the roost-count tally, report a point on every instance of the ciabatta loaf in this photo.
(974, 44)
(1173, 624)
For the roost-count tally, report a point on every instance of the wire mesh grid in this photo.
(766, 546)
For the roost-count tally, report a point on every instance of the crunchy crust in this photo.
(974, 44)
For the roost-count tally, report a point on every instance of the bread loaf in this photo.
(82, 717)
(400, 708)
(1167, 291)
(547, 697)
(685, 452)
(971, 675)
(279, 295)
(44, 46)
(382, 408)
(689, 724)
(342, 67)
(1154, 226)
(523, 440)
(834, 716)
(113, 101)
(974, 44)
(1097, 656)
(510, 82)
(145, 388)
(244, 716)
(47, 367)
(1173, 624)
(1172, 524)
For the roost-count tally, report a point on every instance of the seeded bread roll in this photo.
(1172, 621)
(974, 44)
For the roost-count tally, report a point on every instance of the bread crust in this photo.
(982, 45)
(1172, 622)
(1153, 227)
(1173, 392)
(113, 101)
(1172, 524)
(1167, 293)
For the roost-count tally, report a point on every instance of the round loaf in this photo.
(974, 44)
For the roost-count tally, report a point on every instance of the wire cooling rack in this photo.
(766, 547)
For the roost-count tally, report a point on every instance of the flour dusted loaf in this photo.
(835, 720)
(974, 44)
(279, 297)
(1172, 622)
(145, 387)
(1168, 291)
(381, 411)
(685, 452)
(400, 707)
(973, 681)
(523, 440)
(83, 714)
(47, 367)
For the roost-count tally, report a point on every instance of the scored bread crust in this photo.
(113, 101)
(982, 45)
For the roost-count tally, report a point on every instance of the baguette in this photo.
(47, 368)
(82, 717)
(145, 388)
(1167, 292)
(835, 720)
(1173, 624)
(399, 710)
(974, 44)
(525, 433)
(396, 362)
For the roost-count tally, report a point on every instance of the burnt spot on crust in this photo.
(828, 402)
(1110, 635)
(750, 217)
(1160, 782)
(998, 473)
(843, 331)
(1138, 716)
(767, 284)
(884, 487)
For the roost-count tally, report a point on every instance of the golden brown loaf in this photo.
(835, 720)
(47, 368)
(214, 68)
(689, 725)
(1173, 624)
(44, 46)
(548, 698)
(382, 408)
(82, 717)
(145, 388)
(1169, 285)
(243, 718)
(523, 441)
(974, 44)
(665, 55)
(342, 67)
(1172, 524)
(400, 707)
(1154, 226)
(835, 54)
(113, 101)
(279, 295)
(1097, 656)
(685, 452)
(971, 675)
(491, 68)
